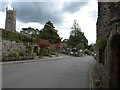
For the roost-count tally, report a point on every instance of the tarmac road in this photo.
(70, 72)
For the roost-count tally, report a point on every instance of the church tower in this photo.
(10, 23)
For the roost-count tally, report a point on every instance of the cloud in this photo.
(20, 25)
(38, 12)
(35, 14)
(93, 10)
(72, 7)
(43, 11)
(3, 6)
(93, 15)
(2, 19)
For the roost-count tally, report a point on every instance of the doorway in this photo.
(114, 81)
(35, 50)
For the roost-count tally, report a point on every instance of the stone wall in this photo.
(11, 46)
(102, 31)
(108, 26)
(103, 19)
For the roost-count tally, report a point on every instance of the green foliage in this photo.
(51, 48)
(91, 47)
(76, 36)
(101, 43)
(17, 54)
(50, 33)
(45, 52)
(80, 46)
(31, 32)
(12, 36)
(40, 56)
(14, 54)
(22, 53)
(87, 52)
(64, 45)
(29, 47)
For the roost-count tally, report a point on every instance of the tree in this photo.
(50, 33)
(30, 32)
(75, 29)
(43, 43)
(91, 47)
(80, 46)
(76, 36)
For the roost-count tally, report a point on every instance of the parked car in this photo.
(74, 52)
(71, 53)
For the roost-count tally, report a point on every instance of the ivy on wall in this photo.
(101, 44)
(29, 47)
(13, 36)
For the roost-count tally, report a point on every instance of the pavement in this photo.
(35, 60)
(49, 59)
(91, 75)
(69, 72)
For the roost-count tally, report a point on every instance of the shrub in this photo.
(45, 52)
(12, 54)
(87, 52)
(17, 54)
(80, 46)
(13, 36)
(29, 47)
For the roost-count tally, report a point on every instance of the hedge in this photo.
(13, 36)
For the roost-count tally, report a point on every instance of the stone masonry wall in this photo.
(11, 46)
(107, 13)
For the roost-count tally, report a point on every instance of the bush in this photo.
(80, 46)
(17, 54)
(41, 57)
(87, 52)
(29, 47)
(45, 52)
(21, 53)
(12, 54)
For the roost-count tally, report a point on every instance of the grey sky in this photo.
(62, 14)
(73, 7)
(37, 12)
(3, 5)
(43, 11)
